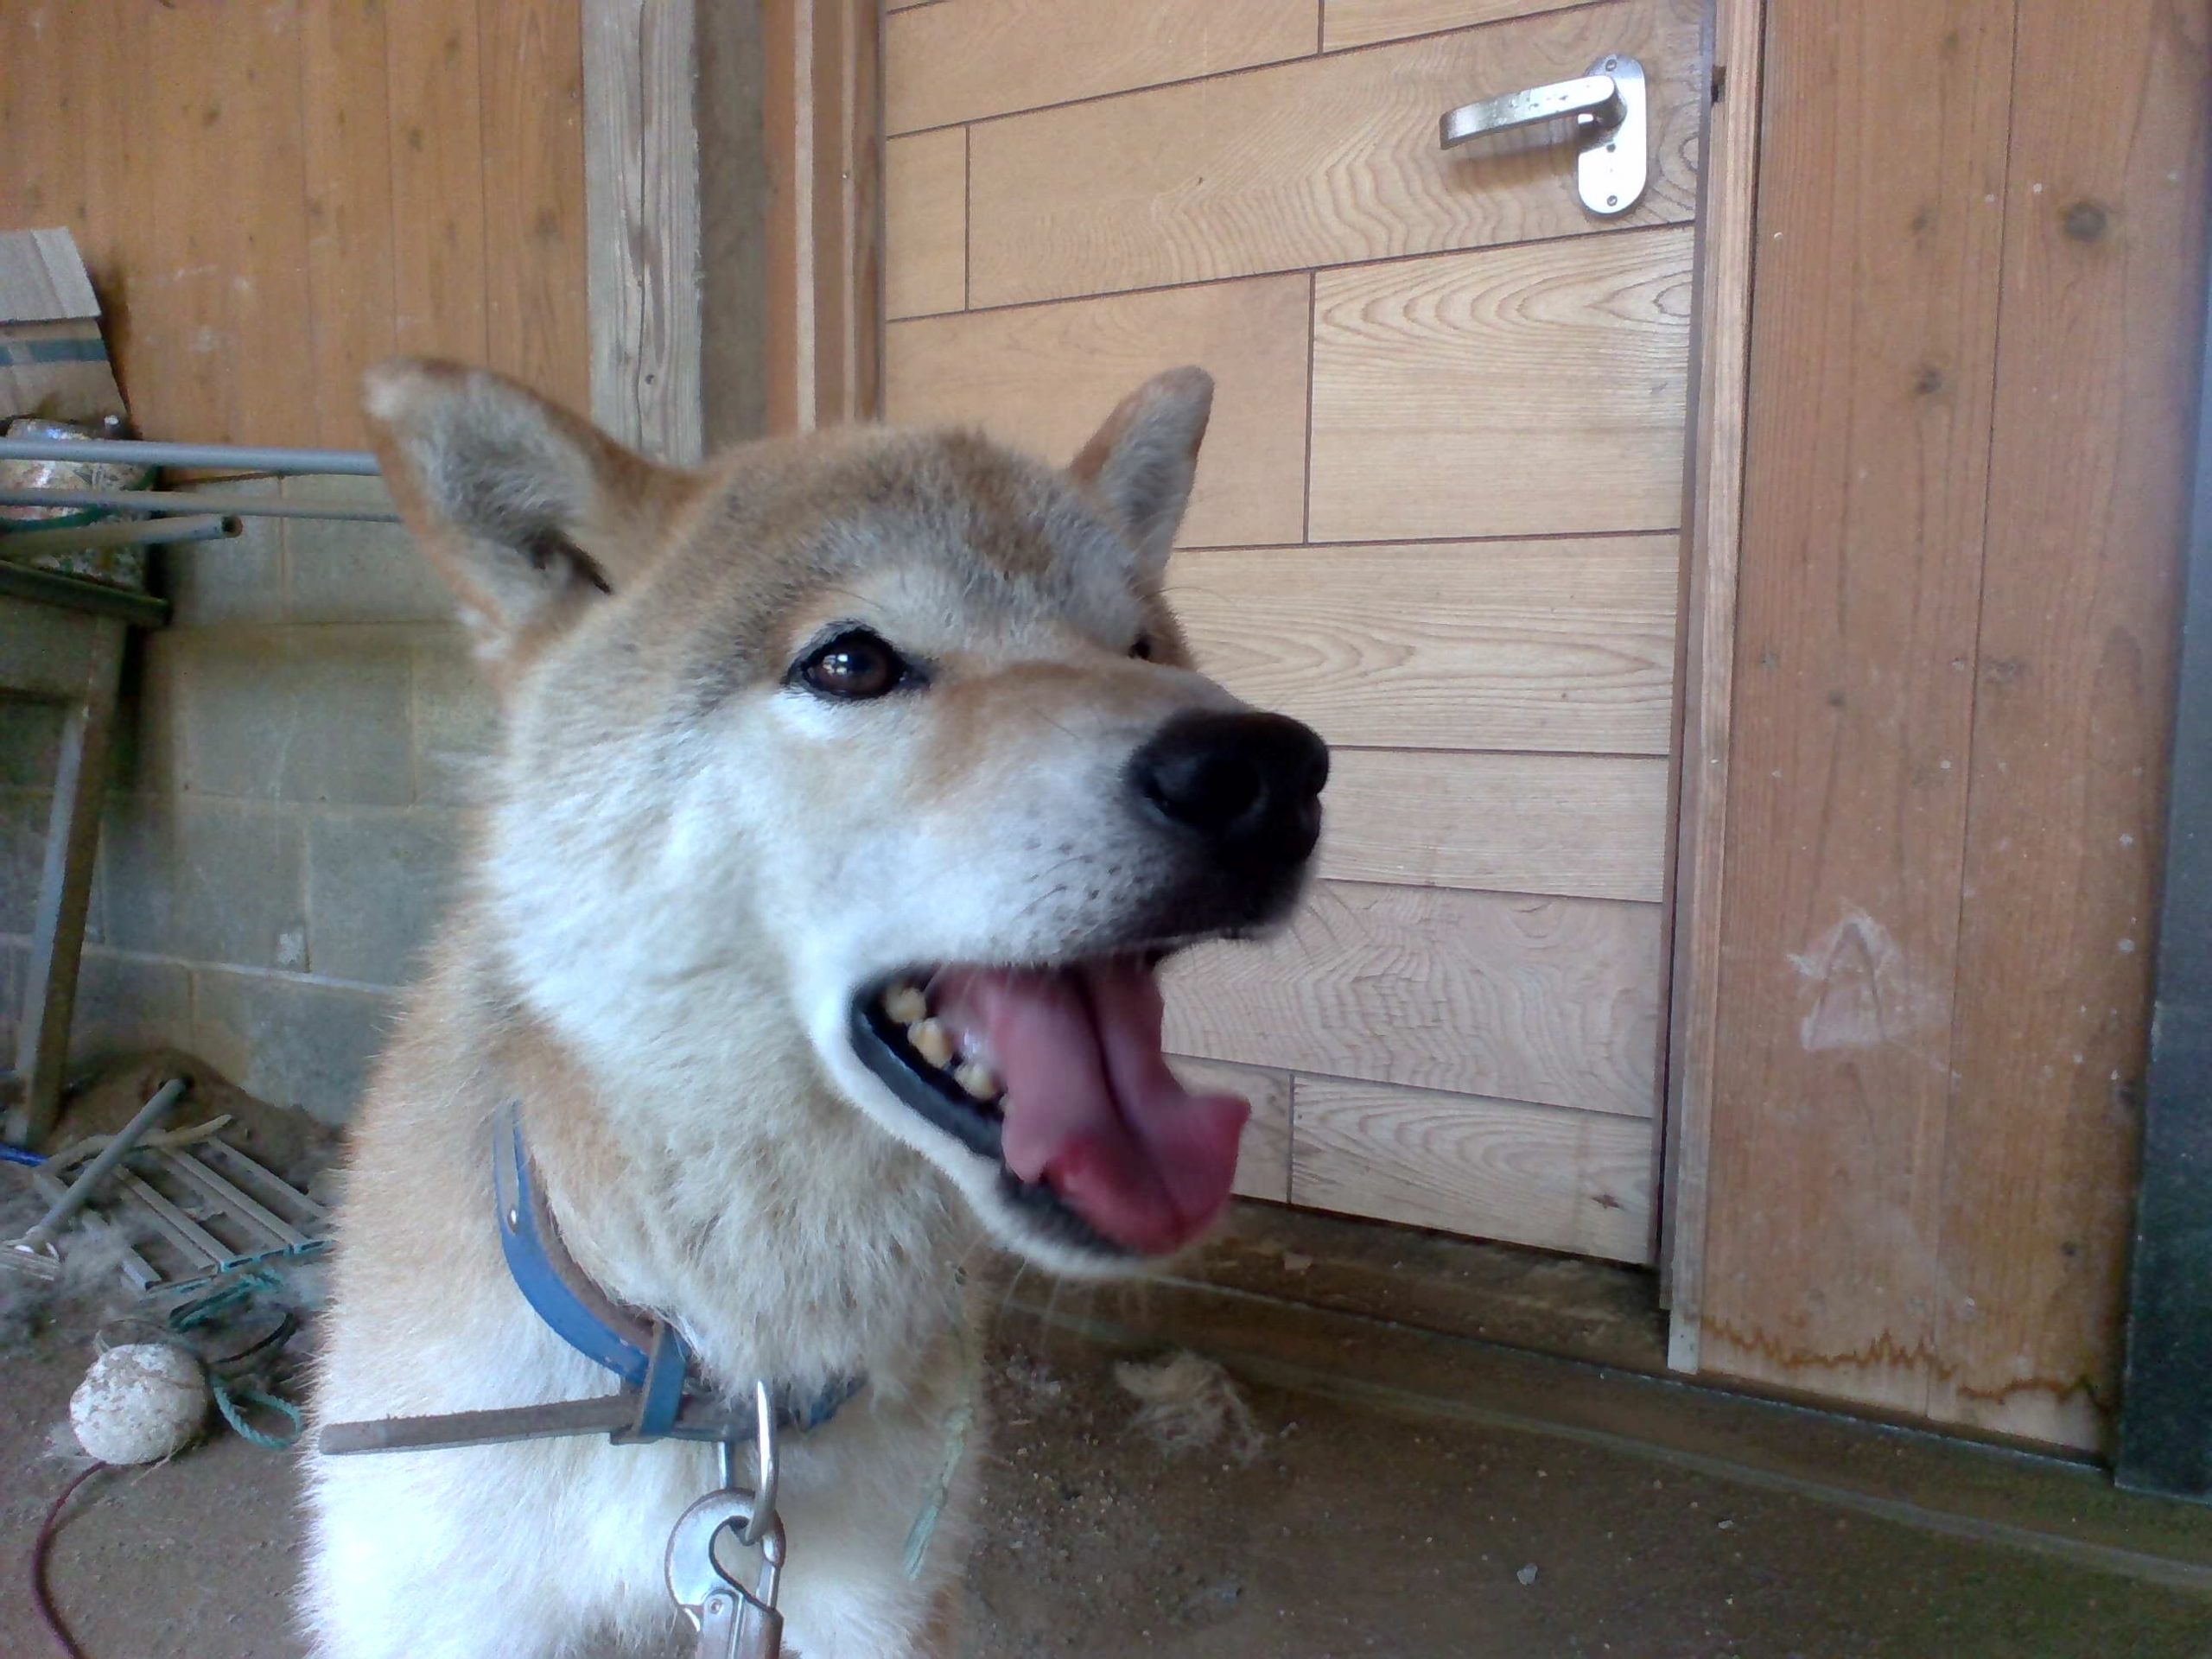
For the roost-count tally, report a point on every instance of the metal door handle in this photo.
(1608, 107)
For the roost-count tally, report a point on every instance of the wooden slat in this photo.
(1539, 1175)
(1369, 23)
(437, 179)
(177, 256)
(1521, 391)
(1545, 1000)
(1867, 465)
(926, 223)
(2096, 392)
(1263, 1160)
(641, 216)
(1043, 377)
(536, 324)
(1585, 825)
(1563, 645)
(257, 145)
(1327, 160)
(822, 113)
(1713, 556)
(349, 173)
(967, 58)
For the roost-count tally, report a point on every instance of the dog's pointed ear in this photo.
(1142, 462)
(529, 512)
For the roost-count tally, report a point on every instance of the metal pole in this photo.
(117, 532)
(81, 1190)
(248, 506)
(220, 456)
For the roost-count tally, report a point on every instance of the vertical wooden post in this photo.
(822, 101)
(1707, 670)
(65, 885)
(641, 213)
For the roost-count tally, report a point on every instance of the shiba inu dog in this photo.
(851, 789)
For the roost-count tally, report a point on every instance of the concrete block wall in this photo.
(293, 771)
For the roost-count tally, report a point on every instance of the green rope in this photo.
(234, 1395)
(229, 1401)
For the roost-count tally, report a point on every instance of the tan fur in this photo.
(682, 864)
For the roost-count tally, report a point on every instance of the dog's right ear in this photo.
(531, 513)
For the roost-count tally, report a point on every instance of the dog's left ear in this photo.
(529, 512)
(1142, 462)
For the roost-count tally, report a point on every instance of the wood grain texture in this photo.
(263, 227)
(532, 54)
(438, 180)
(1327, 160)
(346, 102)
(2096, 388)
(1545, 1000)
(822, 111)
(926, 223)
(1713, 558)
(1582, 825)
(1873, 347)
(1520, 391)
(1536, 1175)
(1263, 1158)
(1368, 22)
(967, 58)
(1043, 377)
(1563, 645)
(641, 215)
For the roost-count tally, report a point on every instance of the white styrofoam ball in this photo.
(140, 1402)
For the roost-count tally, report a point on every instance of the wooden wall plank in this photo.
(1253, 173)
(926, 223)
(258, 133)
(1536, 1175)
(641, 220)
(967, 58)
(1043, 377)
(1263, 1159)
(438, 180)
(1368, 22)
(1591, 826)
(1553, 1000)
(1872, 359)
(1562, 646)
(348, 207)
(1714, 551)
(1521, 391)
(821, 75)
(2096, 388)
(532, 54)
(177, 254)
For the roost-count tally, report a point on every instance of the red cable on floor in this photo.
(43, 1597)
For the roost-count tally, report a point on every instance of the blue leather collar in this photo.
(647, 1354)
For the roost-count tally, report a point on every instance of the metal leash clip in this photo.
(734, 1621)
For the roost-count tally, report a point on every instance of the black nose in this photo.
(1249, 784)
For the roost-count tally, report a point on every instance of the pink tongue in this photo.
(1091, 1108)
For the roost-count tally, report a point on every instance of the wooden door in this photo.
(1437, 516)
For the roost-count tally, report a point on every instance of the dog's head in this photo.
(894, 733)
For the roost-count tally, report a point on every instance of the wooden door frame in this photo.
(823, 108)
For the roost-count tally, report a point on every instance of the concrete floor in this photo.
(1353, 1531)
(1428, 1477)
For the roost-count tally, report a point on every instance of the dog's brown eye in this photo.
(854, 666)
(1142, 650)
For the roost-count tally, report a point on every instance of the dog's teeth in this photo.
(931, 1041)
(979, 1080)
(905, 1004)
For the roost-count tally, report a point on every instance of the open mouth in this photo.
(1057, 1074)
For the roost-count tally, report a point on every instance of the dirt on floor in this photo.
(1325, 1530)
(1348, 1533)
